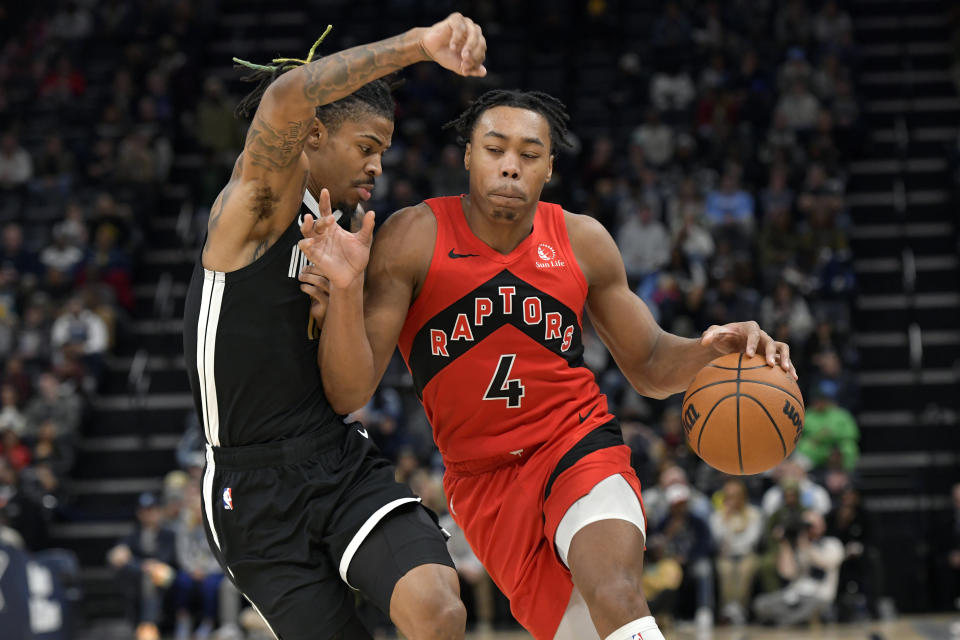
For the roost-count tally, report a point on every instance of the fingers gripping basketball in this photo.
(741, 415)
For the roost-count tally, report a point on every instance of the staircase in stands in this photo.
(903, 201)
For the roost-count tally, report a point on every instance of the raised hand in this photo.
(751, 339)
(338, 255)
(456, 43)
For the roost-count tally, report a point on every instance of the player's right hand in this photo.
(456, 43)
(340, 256)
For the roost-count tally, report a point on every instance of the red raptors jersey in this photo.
(493, 341)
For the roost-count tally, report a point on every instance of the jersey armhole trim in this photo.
(428, 281)
(364, 531)
(564, 233)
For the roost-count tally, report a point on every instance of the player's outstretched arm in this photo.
(657, 364)
(271, 173)
(370, 291)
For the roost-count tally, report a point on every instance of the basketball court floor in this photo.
(935, 627)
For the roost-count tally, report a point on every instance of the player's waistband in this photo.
(485, 465)
(280, 452)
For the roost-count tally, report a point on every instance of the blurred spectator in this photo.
(810, 496)
(861, 574)
(827, 427)
(810, 563)
(108, 262)
(672, 92)
(787, 307)
(60, 261)
(644, 243)
(13, 449)
(11, 417)
(145, 562)
(13, 254)
(200, 575)
(655, 139)
(730, 205)
(16, 166)
(798, 107)
(33, 335)
(449, 178)
(63, 83)
(686, 538)
(831, 24)
(737, 529)
(20, 509)
(54, 402)
(72, 22)
(729, 301)
(78, 327)
(55, 166)
(655, 503)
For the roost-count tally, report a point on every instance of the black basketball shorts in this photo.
(287, 520)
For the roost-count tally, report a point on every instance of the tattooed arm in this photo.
(267, 184)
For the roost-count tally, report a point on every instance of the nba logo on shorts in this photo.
(228, 498)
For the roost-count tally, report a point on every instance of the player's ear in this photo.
(549, 168)
(318, 134)
(466, 157)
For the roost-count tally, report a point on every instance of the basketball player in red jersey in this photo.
(484, 293)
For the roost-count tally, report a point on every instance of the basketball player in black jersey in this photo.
(298, 505)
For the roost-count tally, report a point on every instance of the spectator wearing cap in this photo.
(828, 426)
(686, 538)
(655, 503)
(145, 561)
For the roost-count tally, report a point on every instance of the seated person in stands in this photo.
(810, 563)
(145, 561)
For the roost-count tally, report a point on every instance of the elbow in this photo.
(347, 406)
(346, 402)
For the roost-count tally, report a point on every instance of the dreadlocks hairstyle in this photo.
(375, 96)
(546, 105)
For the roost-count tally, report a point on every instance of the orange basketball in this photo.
(741, 415)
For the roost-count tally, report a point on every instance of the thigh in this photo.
(258, 526)
(370, 495)
(406, 539)
(501, 515)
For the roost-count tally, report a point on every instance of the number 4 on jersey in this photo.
(502, 387)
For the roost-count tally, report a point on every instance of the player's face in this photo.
(348, 160)
(509, 161)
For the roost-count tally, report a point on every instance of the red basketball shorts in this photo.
(509, 515)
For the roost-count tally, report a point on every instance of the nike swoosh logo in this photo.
(583, 418)
(363, 432)
(461, 255)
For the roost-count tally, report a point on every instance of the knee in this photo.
(443, 619)
(621, 593)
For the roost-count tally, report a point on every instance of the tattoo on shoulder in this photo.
(275, 149)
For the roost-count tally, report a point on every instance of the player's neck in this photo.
(499, 234)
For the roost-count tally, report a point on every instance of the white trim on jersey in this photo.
(314, 207)
(209, 498)
(207, 323)
(364, 531)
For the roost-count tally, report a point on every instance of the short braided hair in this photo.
(554, 111)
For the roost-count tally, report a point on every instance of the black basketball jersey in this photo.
(251, 348)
